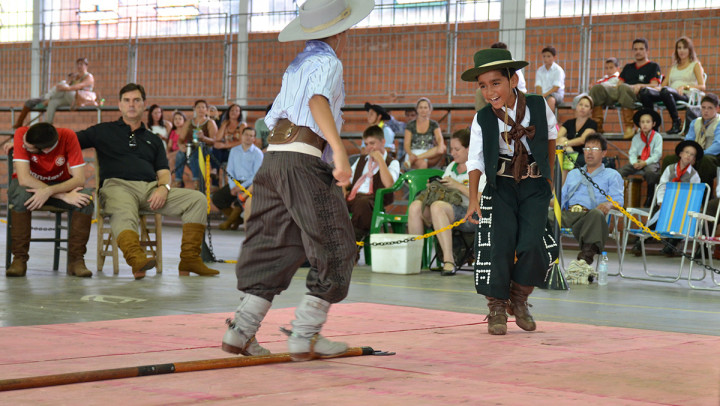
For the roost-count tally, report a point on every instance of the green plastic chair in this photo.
(383, 221)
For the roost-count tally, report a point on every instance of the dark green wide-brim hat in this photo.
(491, 59)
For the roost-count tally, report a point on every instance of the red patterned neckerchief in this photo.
(647, 140)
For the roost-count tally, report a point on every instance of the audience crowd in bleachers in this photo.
(392, 146)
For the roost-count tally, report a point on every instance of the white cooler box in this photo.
(404, 258)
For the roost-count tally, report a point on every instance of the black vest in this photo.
(377, 182)
(488, 122)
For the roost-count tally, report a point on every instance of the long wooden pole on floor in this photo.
(157, 369)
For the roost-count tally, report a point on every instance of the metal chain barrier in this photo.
(637, 222)
(409, 239)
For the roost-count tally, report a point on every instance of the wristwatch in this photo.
(164, 184)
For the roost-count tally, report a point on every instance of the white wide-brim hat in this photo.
(324, 18)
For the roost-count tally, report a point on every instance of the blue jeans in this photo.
(180, 161)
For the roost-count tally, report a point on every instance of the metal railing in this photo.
(382, 65)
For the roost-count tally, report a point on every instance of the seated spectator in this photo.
(49, 169)
(645, 150)
(200, 129)
(584, 208)
(441, 214)
(410, 115)
(243, 164)
(372, 171)
(262, 130)
(178, 120)
(134, 176)
(228, 136)
(397, 127)
(688, 152)
(705, 131)
(611, 78)
(377, 115)
(76, 91)
(424, 143)
(480, 101)
(157, 124)
(573, 132)
(635, 76)
(685, 74)
(214, 115)
(550, 79)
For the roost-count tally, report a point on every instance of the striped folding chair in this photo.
(673, 222)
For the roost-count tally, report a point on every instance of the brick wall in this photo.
(382, 65)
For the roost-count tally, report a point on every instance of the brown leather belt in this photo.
(506, 169)
(285, 132)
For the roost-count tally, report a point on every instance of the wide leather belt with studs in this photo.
(506, 169)
(285, 132)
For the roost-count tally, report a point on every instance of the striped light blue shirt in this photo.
(316, 70)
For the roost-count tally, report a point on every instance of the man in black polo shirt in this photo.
(634, 77)
(134, 175)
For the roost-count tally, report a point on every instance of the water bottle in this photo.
(603, 269)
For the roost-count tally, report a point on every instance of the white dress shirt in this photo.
(394, 169)
(547, 78)
(316, 70)
(476, 161)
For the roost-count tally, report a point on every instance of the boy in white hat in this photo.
(298, 205)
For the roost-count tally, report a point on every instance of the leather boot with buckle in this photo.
(497, 318)
(77, 245)
(240, 335)
(20, 235)
(304, 341)
(518, 306)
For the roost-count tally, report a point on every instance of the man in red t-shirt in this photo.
(49, 169)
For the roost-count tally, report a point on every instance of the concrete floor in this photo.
(47, 297)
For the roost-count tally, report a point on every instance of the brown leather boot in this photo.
(227, 212)
(628, 124)
(598, 115)
(77, 245)
(237, 216)
(497, 318)
(190, 248)
(518, 306)
(20, 235)
(129, 243)
(233, 218)
(21, 117)
(588, 252)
